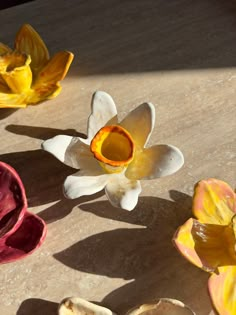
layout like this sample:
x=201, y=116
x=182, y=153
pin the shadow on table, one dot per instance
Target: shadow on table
x=37, y=307
x=153, y=35
x=143, y=253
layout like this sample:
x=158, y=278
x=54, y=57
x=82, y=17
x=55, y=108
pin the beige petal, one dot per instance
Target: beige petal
x=163, y=306
x=78, y=306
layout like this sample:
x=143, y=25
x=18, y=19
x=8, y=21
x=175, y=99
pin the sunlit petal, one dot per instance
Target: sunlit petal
x=4, y=49
x=17, y=73
x=73, y=152
x=103, y=113
x=222, y=290
x=123, y=192
x=208, y=246
x=79, y=184
x=43, y=93
x=154, y=162
x=12, y=100
x=214, y=202
x=55, y=70
x=29, y=42
x=139, y=123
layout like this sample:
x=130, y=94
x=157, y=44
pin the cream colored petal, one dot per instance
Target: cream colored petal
x=157, y=161
x=103, y=113
x=4, y=49
x=123, y=192
x=207, y=246
x=214, y=202
x=163, y=306
x=80, y=184
x=28, y=41
x=12, y=100
x=73, y=152
x=139, y=123
x=222, y=290
x=78, y=306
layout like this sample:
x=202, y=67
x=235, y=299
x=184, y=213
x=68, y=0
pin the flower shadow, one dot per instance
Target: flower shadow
x=144, y=253
x=5, y=112
x=37, y=307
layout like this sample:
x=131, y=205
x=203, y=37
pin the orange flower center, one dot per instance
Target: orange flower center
x=113, y=146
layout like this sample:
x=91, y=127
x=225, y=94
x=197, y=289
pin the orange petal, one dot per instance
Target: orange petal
x=222, y=290
x=214, y=202
x=28, y=41
x=56, y=69
x=4, y=49
x=207, y=246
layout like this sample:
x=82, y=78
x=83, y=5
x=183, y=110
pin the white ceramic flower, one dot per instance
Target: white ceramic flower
x=114, y=156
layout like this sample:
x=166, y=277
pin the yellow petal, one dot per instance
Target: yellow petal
x=16, y=72
x=222, y=290
x=4, y=49
x=3, y=86
x=28, y=41
x=214, y=202
x=55, y=70
x=208, y=246
x=43, y=93
x=12, y=100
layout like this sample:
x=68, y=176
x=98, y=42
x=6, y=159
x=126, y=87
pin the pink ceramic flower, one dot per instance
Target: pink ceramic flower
x=209, y=241
x=21, y=232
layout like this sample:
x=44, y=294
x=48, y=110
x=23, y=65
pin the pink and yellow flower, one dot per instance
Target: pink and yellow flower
x=209, y=241
x=27, y=74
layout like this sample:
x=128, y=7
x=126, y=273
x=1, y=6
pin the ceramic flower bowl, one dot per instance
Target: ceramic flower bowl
x=21, y=232
x=208, y=240
x=115, y=156
x=78, y=306
x=27, y=73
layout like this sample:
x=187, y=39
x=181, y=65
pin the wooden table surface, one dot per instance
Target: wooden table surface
x=179, y=55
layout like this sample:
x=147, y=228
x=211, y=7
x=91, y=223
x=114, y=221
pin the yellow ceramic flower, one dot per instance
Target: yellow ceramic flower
x=27, y=74
x=209, y=241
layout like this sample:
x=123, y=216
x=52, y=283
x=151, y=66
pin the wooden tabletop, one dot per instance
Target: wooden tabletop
x=179, y=55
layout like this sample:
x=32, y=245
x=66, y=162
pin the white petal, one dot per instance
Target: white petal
x=79, y=184
x=78, y=306
x=157, y=161
x=103, y=112
x=57, y=146
x=122, y=192
x=72, y=151
x=139, y=123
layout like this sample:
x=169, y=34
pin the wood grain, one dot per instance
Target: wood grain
x=179, y=55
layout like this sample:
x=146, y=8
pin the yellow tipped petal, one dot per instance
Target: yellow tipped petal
x=4, y=49
x=12, y=100
x=29, y=41
x=56, y=69
x=222, y=290
x=113, y=146
x=214, y=202
x=207, y=246
x=16, y=72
